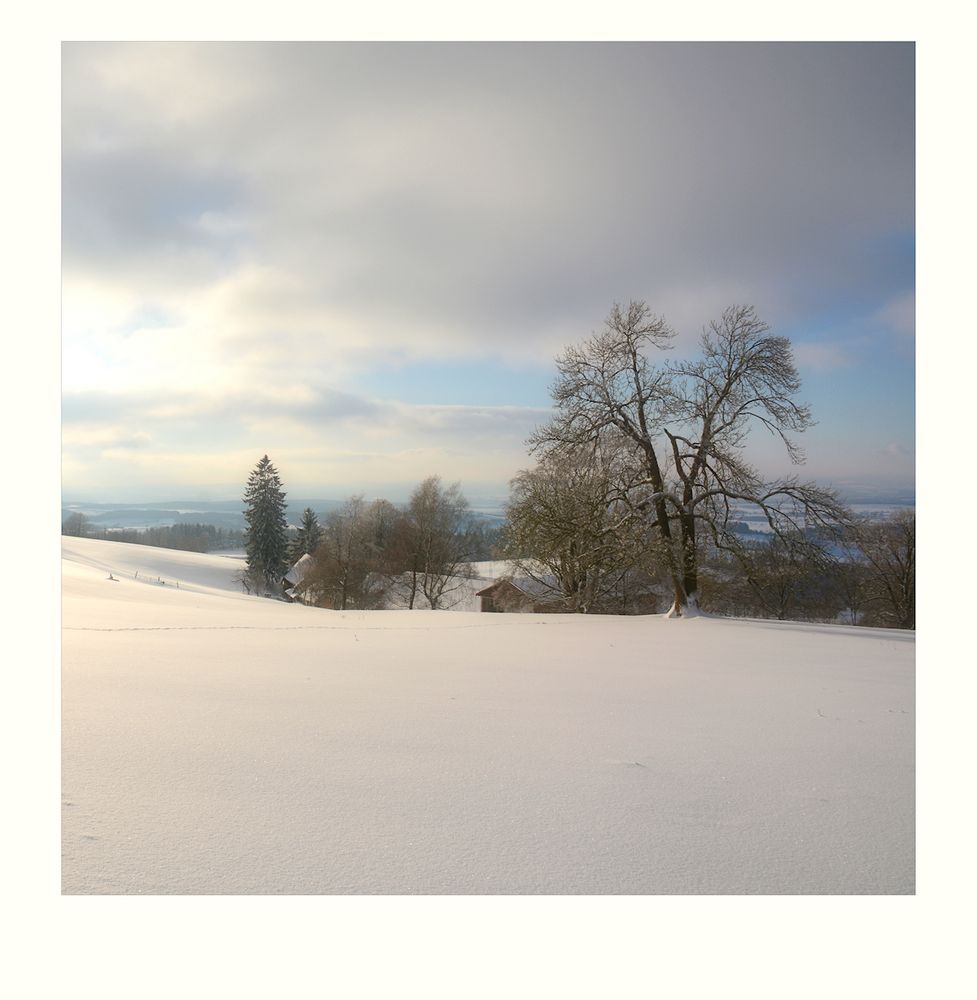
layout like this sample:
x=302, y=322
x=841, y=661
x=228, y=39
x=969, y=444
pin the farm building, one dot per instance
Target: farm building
x=293, y=578
x=531, y=596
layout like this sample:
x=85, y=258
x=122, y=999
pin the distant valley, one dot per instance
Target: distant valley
x=228, y=514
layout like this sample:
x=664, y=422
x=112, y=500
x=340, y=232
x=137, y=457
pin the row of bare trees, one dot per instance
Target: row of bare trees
x=374, y=554
x=881, y=570
x=868, y=579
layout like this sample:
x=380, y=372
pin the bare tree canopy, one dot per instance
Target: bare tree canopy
x=372, y=554
x=686, y=425
x=887, y=551
x=568, y=530
x=437, y=540
x=345, y=562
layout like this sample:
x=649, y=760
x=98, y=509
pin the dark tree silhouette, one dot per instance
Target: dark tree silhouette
x=308, y=537
x=266, y=536
x=686, y=425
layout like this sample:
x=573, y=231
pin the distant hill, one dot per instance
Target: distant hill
x=220, y=513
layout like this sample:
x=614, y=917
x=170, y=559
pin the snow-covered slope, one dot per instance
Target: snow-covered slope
x=148, y=565
x=220, y=743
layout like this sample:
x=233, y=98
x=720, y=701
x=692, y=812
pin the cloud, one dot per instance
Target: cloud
x=248, y=225
x=898, y=316
x=99, y=413
x=484, y=198
x=316, y=435
x=102, y=437
x=822, y=357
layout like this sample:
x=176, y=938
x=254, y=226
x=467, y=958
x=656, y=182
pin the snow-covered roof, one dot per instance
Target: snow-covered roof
x=544, y=587
x=299, y=571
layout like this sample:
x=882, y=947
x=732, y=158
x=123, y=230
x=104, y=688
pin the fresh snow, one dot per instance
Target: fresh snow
x=219, y=743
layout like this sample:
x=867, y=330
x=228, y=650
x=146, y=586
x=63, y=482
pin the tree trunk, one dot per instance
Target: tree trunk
x=690, y=564
x=685, y=578
x=685, y=603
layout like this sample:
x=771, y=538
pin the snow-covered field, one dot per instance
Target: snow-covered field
x=220, y=743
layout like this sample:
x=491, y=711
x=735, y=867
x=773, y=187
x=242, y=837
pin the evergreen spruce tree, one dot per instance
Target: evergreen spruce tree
x=266, y=537
x=308, y=538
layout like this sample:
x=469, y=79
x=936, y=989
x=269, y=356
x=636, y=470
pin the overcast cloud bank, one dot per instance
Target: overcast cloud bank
x=264, y=243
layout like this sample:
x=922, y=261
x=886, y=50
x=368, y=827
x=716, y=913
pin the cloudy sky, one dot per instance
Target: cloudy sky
x=363, y=258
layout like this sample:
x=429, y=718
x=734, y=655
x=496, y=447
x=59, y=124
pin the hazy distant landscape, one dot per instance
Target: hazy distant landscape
x=230, y=513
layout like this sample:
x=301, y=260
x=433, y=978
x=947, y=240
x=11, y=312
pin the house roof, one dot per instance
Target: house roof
x=492, y=587
x=546, y=587
x=299, y=571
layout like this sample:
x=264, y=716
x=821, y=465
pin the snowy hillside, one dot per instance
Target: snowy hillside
x=220, y=743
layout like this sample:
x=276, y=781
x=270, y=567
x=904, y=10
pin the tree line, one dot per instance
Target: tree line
x=368, y=554
x=565, y=531
x=187, y=537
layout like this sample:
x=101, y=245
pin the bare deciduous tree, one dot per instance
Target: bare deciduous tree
x=342, y=575
x=788, y=578
x=567, y=530
x=431, y=543
x=888, y=550
x=686, y=424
